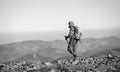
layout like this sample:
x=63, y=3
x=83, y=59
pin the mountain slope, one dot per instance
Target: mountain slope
x=57, y=48
x=113, y=47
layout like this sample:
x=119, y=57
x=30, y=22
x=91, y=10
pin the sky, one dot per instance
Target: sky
x=53, y=15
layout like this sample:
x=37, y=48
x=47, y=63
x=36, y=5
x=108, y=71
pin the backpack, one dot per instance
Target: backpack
x=77, y=33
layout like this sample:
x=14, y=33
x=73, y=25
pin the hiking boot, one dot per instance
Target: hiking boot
x=76, y=61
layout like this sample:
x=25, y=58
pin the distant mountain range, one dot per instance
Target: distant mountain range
x=108, y=45
x=57, y=48
x=9, y=37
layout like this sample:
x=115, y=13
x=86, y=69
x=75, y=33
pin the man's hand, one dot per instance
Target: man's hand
x=66, y=37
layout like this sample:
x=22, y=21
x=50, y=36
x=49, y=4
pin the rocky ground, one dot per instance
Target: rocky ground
x=104, y=63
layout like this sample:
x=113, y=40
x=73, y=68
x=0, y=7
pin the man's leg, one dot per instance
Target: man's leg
x=69, y=48
x=75, y=46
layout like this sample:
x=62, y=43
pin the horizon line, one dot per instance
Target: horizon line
x=116, y=28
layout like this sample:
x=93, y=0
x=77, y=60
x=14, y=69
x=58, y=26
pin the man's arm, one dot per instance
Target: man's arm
x=71, y=32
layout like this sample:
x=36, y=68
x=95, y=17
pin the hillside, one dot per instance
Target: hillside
x=111, y=46
x=15, y=50
x=57, y=48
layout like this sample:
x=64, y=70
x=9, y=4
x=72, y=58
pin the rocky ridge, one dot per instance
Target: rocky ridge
x=103, y=63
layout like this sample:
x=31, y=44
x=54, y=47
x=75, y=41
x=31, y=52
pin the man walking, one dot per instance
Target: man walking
x=74, y=38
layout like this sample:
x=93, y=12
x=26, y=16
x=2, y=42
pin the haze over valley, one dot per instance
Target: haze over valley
x=8, y=37
x=57, y=48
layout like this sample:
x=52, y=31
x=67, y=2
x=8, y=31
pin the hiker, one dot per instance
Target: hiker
x=70, y=36
x=74, y=38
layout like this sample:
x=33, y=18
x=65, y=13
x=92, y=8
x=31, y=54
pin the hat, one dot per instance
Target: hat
x=71, y=23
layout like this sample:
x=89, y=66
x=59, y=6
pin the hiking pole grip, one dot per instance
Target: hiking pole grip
x=66, y=39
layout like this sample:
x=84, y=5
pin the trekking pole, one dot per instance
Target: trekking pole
x=80, y=37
